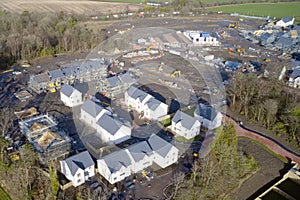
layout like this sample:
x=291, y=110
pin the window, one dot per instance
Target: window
x=79, y=180
x=86, y=173
x=122, y=174
x=78, y=175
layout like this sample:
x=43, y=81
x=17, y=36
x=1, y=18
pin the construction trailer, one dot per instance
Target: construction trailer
x=85, y=71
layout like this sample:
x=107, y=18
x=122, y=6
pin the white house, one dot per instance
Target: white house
x=70, y=96
x=145, y=103
x=208, y=116
x=136, y=98
x=185, y=125
x=201, y=38
x=165, y=154
x=112, y=130
x=78, y=168
x=285, y=22
x=91, y=112
x=115, y=167
x=294, y=79
x=141, y=156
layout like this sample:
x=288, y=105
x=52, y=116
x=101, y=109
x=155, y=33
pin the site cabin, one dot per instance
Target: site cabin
x=144, y=103
x=70, y=96
x=111, y=130
x=165, y=154
x=185, y=125
x=141, y=156
x=294, y=79
x=78, y=168
x=285, y=22
x=209, y=117
x=91, y=112
x=115, y=167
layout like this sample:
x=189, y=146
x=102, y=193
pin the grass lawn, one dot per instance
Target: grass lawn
x=4, y=195
x=278, y=10
x=183, y=139
x=166, y=122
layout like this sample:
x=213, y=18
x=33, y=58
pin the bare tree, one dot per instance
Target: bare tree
x=5, y=120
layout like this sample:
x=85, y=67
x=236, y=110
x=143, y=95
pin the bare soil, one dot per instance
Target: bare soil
x=72, y=6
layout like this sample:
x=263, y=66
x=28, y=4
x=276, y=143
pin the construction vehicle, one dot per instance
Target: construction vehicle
x=267, y=60
x=14, y=156
x=240, y=51
x=176, y=72
x=233, y=25
x=52, y=90
x=105, y=103
x=160, y=67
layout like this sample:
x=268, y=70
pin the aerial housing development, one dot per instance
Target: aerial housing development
x=149, y=100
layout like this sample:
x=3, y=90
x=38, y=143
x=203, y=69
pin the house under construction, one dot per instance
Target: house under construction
x=47, y=140
x=117, y=84
x=68, y=74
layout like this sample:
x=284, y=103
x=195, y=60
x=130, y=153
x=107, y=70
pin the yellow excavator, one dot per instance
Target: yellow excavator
x=233, y=25
x=176, y=72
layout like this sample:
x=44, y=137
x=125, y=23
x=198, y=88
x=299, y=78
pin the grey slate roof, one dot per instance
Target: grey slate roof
x=126, y=78
x=56, y=74
x=153, y=103
x=206, y=111
x=139, y=150
x=136, y=93
x=116, y=160
x=186, y=120
x=159, y=145
x=41, y=78
x=67, y=90
x=295, y=73
x=82, y=160
x=113, y=81
x=109, y=123
x=69, y=71
x=287, y=19
x=91, y=108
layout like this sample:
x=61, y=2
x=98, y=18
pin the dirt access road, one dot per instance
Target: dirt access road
x=82, y=7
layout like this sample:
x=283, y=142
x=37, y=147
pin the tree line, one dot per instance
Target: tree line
x=216, y=175
x=268, y=102
x=30, y=35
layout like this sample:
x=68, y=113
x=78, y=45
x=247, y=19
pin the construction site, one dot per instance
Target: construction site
x=45, y=137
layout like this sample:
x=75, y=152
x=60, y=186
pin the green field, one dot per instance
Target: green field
x=262, y=9
x=4, y=195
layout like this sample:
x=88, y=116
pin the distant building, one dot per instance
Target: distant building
x=285, y=22
x=201, y=38
x=185, y=125
x=146, y=104
x=70, y=96
x=78, y=168
x=208, y=116
x=78, y=71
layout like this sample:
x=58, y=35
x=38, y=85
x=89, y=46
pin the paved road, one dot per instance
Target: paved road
x=269, y=142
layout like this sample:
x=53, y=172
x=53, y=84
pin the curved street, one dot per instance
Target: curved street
x=269, y=142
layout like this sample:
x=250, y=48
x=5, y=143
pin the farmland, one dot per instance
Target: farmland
x=4, y=195
x=262, y=9
x=71, y=7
